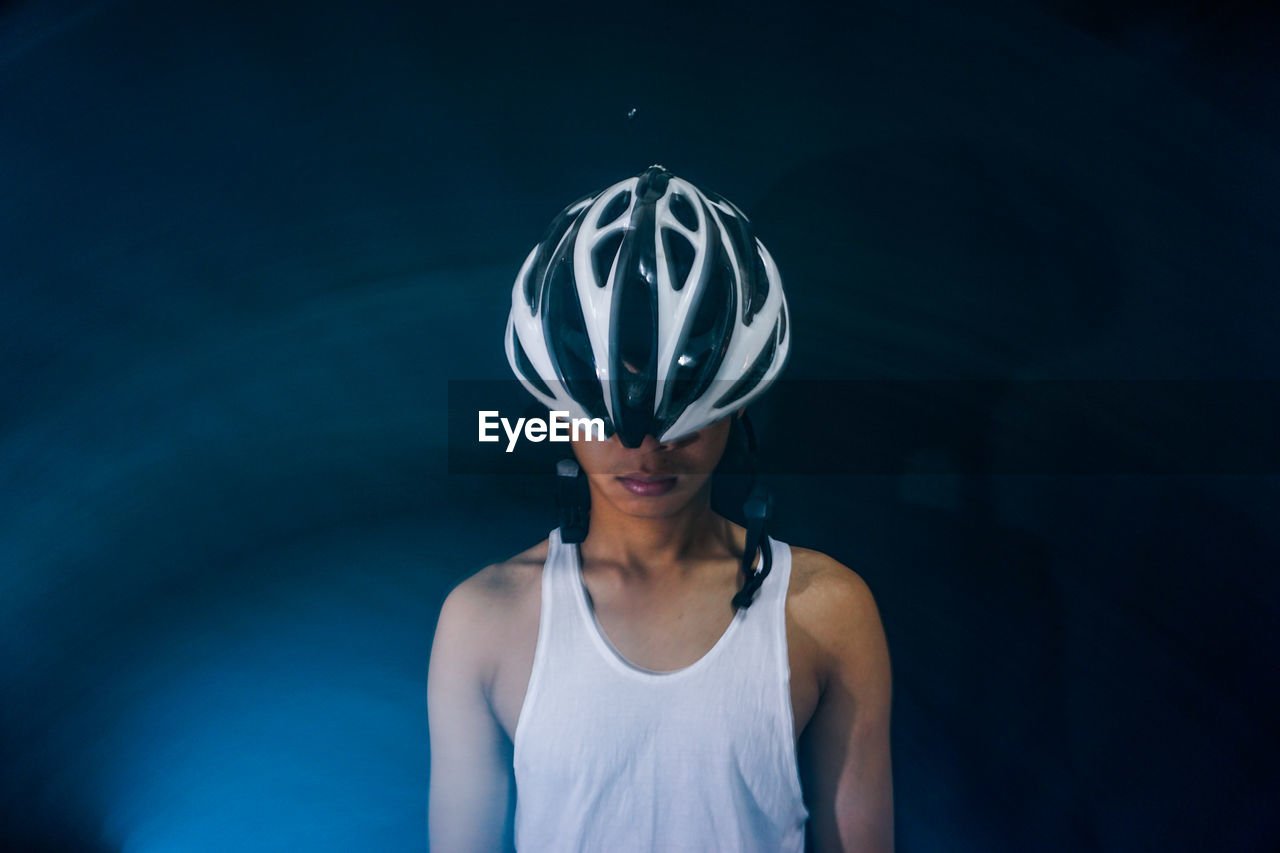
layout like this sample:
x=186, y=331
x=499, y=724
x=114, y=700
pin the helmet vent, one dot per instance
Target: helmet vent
x=526, y=368
x=683, y=211
x=680, y=255
x=635, y=333
x=758, y=289
x=602, y=256
x=752, y=377
x=614, y=209
x=569, y=345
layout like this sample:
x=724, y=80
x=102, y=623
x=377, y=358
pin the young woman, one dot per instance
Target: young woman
x=673, y=682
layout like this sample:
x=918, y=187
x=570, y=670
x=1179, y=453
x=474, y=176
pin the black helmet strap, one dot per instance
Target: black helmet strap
x=756, y=511
x=573, y=507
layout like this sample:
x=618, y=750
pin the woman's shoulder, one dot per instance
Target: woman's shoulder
x=827, y=593
x=505, y=582
x=484, y=615
x=836, y=614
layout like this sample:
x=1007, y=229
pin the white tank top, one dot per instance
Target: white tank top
x=612, y=757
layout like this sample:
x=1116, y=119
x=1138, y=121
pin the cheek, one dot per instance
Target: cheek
x=705, y=464
x=594, y=456
x=708, y=451
x=698, y=462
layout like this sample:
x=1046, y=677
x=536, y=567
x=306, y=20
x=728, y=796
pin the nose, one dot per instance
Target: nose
x=651, y=444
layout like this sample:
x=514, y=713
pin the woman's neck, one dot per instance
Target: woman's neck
x=656, y=545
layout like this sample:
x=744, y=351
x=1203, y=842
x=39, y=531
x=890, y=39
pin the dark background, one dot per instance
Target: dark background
x=244, y=247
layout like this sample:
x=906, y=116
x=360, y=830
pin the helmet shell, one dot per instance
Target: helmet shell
x=650, y=305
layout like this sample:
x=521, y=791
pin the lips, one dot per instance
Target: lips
x=646, y=485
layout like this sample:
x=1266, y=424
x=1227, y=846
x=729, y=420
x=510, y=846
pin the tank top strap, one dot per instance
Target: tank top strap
x=773, y=591
x=560, y=581
x=559, y=562
x=763, y=637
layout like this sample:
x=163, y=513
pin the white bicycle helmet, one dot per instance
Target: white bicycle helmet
x=649, y=305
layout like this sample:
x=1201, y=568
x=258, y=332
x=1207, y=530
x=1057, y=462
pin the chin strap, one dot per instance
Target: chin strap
x=572, y=508
x=757, y=510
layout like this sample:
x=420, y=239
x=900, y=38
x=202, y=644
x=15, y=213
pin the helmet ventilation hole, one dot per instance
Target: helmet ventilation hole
x=602, y=256
x=680, y=254
x=614, y=209
x=683, y=211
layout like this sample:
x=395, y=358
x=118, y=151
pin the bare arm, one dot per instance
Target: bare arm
x=470, y=760
x=845, y=747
